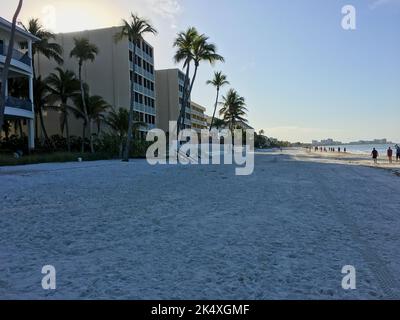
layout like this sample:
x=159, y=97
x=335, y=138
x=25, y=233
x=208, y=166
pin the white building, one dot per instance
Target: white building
x=198, y=117
x=170, y=84
x=110, y=75
x=19, y=99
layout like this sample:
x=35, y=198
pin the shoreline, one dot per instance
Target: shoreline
x=355, y=159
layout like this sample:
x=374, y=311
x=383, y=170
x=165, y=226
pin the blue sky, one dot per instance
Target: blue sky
x=303, y=76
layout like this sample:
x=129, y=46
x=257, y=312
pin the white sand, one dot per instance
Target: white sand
x=131, y=231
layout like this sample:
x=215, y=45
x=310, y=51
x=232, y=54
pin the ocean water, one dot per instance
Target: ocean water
x=365, y=148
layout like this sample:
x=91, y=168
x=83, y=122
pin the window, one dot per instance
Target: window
x=138, y=79
x=139, y=61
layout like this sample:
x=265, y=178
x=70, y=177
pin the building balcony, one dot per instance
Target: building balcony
x=19, y=107
x=140, y=107
x=18, y=57
x=148, y=127
x=200, y=123
x=197, y=113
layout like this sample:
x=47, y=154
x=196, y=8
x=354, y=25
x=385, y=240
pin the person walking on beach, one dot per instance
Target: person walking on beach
x=375, y=155
x=397, y=153
x=390, y=155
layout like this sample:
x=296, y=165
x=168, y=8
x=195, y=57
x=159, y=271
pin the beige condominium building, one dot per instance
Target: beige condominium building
x=109, y=75
x=199, y=118
x=169, y=95
x=19, y=112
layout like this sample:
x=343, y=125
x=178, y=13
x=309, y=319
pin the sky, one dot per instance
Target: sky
x=303, y=76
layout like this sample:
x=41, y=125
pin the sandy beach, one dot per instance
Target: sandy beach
x=133, y=231
x=349, y=159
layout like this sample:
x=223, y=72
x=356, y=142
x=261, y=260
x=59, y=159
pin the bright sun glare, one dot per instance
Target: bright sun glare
x=70, y=16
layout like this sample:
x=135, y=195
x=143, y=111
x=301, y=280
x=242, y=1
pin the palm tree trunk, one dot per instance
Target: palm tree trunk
x=83, y=137
x=67, y=131
x=184, y=100
x=21, y=134
x=44, y=131
x=33, y=66
x=189, y=94
x=121, y=147
x=85, y=107
x=36, y=128
x=91, y=136
x=215, y=109
x=131, y=109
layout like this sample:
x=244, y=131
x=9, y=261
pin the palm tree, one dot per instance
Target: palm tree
x=62, y=86
x=218, y=123
x=40, y=92
x=193, y=47
x=43, y=46
x=96, y=107
x=184, y=44
x=119, y=123
x=233, y=109
x=134, y=30
x=50, y=50
x=218, y=82
x=84, y=51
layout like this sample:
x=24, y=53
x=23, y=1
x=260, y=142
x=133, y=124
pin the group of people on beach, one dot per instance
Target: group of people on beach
x=324, y=149
x=389, y=153
x=375, y=154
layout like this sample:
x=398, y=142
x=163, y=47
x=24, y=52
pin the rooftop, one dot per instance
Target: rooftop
x=7, y=25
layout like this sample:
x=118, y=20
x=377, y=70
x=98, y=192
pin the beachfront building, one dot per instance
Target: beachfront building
x=110, y=75
x=198, y=117
x=19, y=109
x=169, y=95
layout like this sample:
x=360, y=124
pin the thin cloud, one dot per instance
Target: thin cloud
x=380, y=3
x=166, y=8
